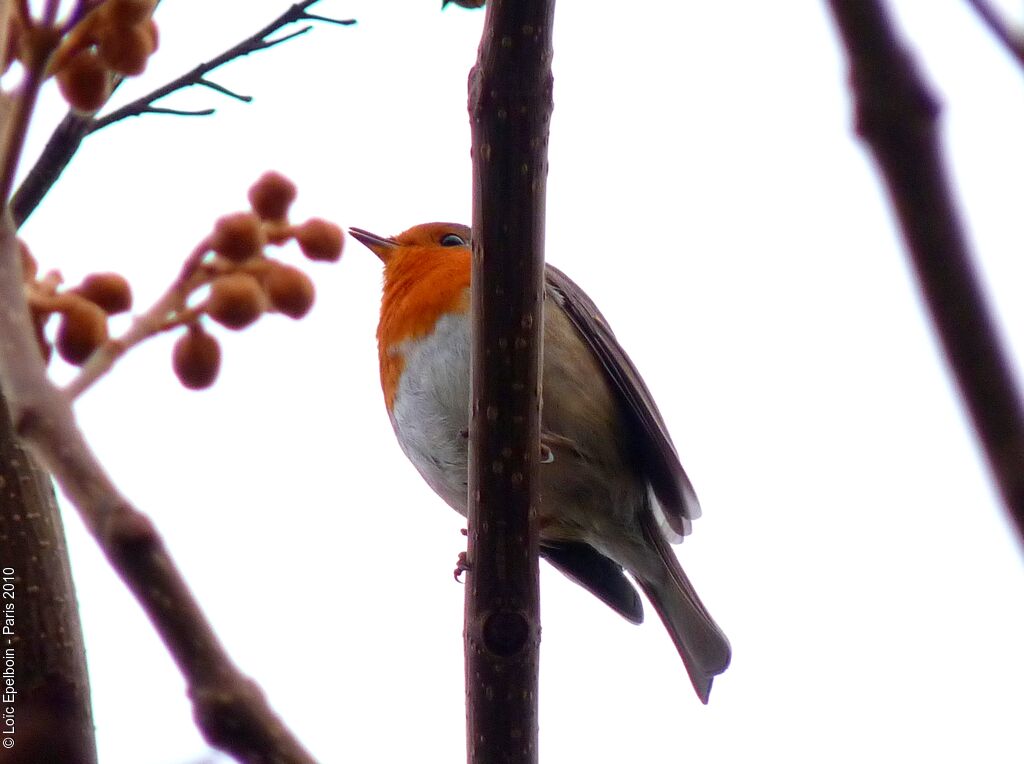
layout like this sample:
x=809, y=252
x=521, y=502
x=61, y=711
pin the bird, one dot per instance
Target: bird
x=613, y=494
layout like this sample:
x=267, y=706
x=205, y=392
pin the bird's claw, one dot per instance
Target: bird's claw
x=461, y=566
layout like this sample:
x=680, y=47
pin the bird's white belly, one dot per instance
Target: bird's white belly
x=430, y=413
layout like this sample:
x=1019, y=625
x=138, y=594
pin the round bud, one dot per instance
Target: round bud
x=196, y=358
x=236, y=300
x=29, y=266
x=320, y=240
x=290, y=290
x=128, y=13
x=83, y=328
x=84, y=81
x=272, y=195
x=238, y=237
x=154, y=32
x=149, y=27
x=125, y=50
x=108, y=290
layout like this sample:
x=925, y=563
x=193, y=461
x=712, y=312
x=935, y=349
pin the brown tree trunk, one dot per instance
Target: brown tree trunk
x=48, y=716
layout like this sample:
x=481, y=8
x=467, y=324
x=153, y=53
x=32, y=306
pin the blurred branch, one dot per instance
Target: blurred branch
x=229, y=708
x=510, y=105
x=73, y=129
x=896, y=115
x=1011, y=39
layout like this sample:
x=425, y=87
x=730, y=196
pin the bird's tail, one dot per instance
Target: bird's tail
x=701, y=644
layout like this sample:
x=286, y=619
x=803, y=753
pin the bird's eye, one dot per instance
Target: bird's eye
x=452, y=240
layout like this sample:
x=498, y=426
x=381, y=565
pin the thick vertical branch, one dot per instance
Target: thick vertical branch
x=897, y=115
x=42, y=638
x=510, y=111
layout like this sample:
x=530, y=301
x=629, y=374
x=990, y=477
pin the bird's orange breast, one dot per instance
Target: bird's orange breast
x=421, y=284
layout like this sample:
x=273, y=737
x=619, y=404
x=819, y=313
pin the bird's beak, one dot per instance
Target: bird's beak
x=380, y=246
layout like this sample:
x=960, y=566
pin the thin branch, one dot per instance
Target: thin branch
x=82, y=7
x=221, y=89
x=61, y=146
x=279, y=40
x=50, y=12
x=1011, y=39
x=69, y=134
x=197, y=76
x=182, y=112
x=22, y=104
x=24, y=12
x=510, y=105
x=897, y=115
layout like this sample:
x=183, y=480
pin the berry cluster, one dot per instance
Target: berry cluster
x=116, y=38
x=83, y=309
x=245, y=283
x=228, y=278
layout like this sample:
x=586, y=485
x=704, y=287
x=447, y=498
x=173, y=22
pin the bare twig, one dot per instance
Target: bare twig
x=1011, y=38
x=15, y=126
x=50, y=12
x=510, y=105
x=82, y=7
x=896, y=115
x=197, y=76
x=73, y=129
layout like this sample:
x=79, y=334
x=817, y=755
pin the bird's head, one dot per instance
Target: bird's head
x=427, y=236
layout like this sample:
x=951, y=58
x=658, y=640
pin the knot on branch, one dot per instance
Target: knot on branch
x=224, y=712
x=890, y=94
x=505, y=633
x=128, y=531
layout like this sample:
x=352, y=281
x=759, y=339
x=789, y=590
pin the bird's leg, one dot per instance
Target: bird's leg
x=549, y=441
x=461, y=564
x=547, y=456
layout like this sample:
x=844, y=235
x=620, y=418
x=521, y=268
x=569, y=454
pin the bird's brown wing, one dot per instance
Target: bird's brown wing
x=601, y=576
x=654, y=447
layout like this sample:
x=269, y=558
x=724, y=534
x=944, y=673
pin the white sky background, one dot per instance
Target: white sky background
x=706, y=190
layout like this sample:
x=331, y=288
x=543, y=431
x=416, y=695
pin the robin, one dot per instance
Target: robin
x=613, y=493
